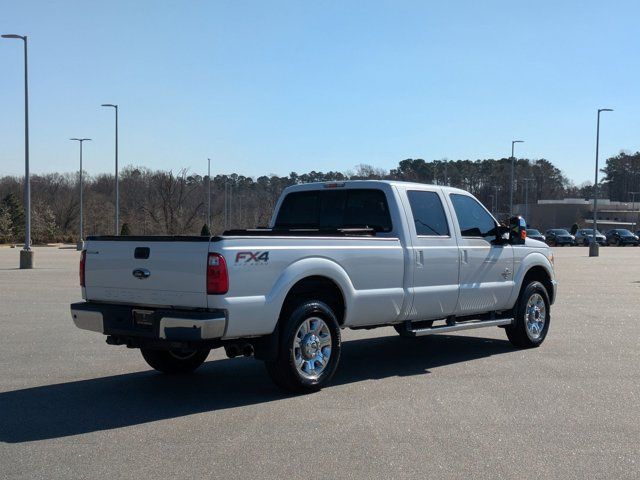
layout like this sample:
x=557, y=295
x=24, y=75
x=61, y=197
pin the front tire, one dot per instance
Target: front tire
x=532, y=317
x=309, y=349
x=174, y=361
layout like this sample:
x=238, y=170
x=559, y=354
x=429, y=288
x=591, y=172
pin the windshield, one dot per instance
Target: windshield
x=559, y=231
x=589, y=232
x=532, y=231
x=622, y=231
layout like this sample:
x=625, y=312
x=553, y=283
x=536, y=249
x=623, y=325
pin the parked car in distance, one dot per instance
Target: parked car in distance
x=535, y=234
x=559, y=237
x=584, y=236
x=622, y=237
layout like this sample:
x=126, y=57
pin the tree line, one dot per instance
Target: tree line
x=175, y=203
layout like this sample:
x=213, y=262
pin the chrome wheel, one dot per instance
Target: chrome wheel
x=535, y=316
x=182, y=354
x=312, y=348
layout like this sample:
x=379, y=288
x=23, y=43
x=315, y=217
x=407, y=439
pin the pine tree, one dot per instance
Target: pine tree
x=205, y=232
x=6, y=230
x=14, y=207
x=125, y=231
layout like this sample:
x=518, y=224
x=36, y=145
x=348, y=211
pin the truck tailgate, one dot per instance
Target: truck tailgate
x=147, y=272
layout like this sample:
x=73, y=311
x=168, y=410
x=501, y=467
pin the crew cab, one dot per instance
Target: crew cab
x=423, y=259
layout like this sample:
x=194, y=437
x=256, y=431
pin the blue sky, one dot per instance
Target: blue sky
x=280, y=86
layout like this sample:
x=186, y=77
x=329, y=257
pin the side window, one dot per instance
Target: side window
x=473, y=219
x=428, y=213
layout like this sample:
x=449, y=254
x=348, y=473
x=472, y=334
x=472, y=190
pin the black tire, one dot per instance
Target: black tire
x=283, y=370
x=169, y=361
x=518, y=333
x=401, y=328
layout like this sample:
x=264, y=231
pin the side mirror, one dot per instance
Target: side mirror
x=517, y=230
x=502, y=235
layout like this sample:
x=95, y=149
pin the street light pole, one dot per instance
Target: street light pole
x=225, y=204
x=26, y=254
x=117, y=219
x=633, y=204
x=209, y=194
x=594, y=249
x=512, y=168
x=526, y=197
x=81, y=239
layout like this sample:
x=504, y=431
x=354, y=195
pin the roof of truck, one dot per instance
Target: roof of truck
x=370, y=184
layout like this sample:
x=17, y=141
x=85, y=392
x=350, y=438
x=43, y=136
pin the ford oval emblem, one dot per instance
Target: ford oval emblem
x=141, y=273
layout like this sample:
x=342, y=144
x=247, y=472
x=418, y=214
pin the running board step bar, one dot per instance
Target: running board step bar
x=421, y=332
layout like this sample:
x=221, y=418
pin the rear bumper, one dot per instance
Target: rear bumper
x=170, y=325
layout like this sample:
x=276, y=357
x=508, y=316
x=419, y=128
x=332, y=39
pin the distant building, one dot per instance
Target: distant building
x=563, y=213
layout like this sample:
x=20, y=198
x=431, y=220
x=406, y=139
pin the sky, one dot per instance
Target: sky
x=280, y=86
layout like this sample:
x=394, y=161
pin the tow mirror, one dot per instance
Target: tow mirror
x=502, y=234
x=517, y=230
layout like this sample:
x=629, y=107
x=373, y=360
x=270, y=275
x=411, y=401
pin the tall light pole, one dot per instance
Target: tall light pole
x=513, y=160
x=209, y=195
x=26, y=254
x=81, y=239
x=526, y=197
x=594, y=249
x=117, y=220
x=225, y=204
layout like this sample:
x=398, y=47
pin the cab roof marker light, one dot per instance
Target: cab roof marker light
x=334, y=185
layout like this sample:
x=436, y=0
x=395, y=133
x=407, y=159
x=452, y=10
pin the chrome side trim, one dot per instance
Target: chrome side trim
x=421, y=332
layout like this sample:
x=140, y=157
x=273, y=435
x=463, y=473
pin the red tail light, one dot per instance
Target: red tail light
x=217, y=275
x=83, y=261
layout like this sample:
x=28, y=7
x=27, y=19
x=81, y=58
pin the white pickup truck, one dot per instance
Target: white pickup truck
x=358, y=254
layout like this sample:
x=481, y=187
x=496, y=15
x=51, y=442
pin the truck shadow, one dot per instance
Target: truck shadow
x=73, y=408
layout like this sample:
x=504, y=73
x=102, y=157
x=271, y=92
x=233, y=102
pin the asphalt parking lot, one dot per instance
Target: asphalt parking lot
x=457, y=406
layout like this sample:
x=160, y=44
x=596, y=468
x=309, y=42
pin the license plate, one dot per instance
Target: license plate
x=143, y=317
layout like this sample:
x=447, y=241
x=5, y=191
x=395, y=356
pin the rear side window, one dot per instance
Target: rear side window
x=333, y=209
x=473, y=219
x=428, y=213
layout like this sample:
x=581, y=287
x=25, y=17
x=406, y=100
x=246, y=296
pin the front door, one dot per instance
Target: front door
x=486, y=269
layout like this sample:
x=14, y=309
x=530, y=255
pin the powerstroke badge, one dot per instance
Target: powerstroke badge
x=252, y=258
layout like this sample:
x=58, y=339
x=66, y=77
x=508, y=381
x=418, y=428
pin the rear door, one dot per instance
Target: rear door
x=169, y=272
x=435, y=256
x=486, y=269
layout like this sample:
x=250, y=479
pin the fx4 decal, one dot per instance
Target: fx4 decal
x=252, y=258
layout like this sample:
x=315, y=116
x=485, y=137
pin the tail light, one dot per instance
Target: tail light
x=217, y=275
x=83, y=261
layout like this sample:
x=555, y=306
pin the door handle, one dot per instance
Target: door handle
x=419, y=258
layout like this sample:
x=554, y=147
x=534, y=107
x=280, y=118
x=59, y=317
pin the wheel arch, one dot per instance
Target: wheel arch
x=534, y=267
x=315, y=287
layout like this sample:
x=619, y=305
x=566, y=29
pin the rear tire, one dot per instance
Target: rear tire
x=173, y=362
x=309, y=349
x=532, y=317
